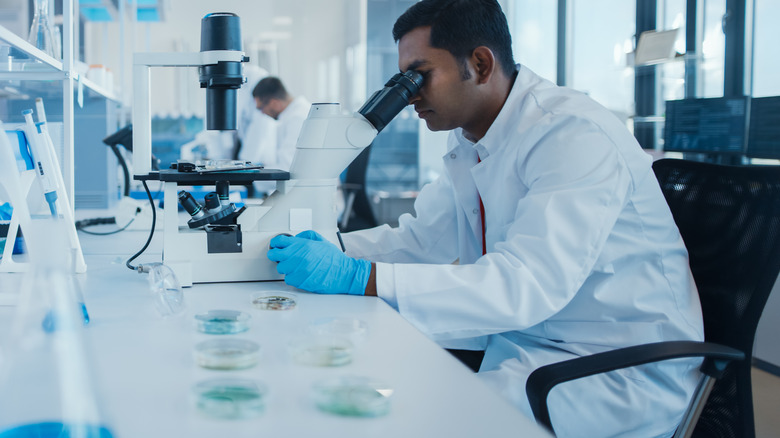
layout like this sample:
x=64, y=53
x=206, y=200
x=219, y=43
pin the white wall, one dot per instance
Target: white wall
x=315, y=48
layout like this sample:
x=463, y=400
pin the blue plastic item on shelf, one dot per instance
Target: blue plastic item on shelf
x=21, y=150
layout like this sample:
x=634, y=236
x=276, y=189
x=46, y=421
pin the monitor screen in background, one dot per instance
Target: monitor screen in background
x=715, y=125
x=764, y=131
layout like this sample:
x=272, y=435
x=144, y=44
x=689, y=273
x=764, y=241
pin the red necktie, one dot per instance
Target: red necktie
x=482, y=215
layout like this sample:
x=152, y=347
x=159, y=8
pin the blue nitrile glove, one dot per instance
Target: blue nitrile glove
x=311, y=263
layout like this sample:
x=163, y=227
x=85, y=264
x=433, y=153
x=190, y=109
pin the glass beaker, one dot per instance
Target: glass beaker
x=47, y=386
x=41, y=31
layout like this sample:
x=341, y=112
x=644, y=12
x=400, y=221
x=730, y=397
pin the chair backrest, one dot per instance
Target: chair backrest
x=729, y=219
x=362, y=215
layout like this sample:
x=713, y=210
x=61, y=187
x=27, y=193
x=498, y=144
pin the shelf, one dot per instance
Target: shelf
x=29, y=84
x=86, y=110
x=23, y=56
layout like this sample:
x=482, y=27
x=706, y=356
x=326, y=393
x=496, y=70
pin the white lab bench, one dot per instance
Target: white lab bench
x=145, y=368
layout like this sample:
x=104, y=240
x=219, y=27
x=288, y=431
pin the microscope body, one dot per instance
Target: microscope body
x=234, y=247
x=328, y=142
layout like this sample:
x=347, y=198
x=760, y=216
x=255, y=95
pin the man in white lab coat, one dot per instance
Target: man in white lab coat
x=256, y=131
x=273, y=100
x=546, y=238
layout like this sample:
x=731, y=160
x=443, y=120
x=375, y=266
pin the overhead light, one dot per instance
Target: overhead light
x=107, y=10
x=96, y=14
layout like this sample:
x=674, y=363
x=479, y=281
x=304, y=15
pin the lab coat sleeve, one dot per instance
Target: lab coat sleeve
x=577, y=187
x=428, y=236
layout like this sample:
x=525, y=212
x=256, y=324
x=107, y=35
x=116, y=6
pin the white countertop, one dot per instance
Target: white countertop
x=145, y=368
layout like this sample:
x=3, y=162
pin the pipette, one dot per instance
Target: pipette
x=42, y=161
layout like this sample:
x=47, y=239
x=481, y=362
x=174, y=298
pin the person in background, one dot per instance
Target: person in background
x=256, y=131
x=253, y=140
x=273, y=100
x=546, y=238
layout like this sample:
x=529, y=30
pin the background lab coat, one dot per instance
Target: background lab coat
x=583, y=256
x=256, y=130
x=288, y=127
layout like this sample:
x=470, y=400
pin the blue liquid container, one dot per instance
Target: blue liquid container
x=55, y=429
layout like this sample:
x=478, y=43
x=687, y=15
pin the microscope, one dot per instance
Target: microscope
x=220, y=242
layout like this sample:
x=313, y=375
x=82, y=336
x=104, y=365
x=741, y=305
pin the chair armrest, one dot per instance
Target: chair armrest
x=543, y=379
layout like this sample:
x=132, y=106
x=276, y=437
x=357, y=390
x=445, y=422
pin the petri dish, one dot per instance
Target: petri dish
x=230, y=398
x=274, y=300
x=350, y=328
x=222, y=322
x=227, y=354
x=322, y=351
x=352, y=396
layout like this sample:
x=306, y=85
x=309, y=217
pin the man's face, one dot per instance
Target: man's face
x=268, y=107
x=443, y=99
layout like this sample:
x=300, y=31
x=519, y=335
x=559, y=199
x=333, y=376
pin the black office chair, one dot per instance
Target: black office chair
x=358, y=214
x=729, y=218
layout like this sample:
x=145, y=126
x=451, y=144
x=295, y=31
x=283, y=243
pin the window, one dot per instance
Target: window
x=713, y=49
x=598, y=52
x=766, y=51
x=533, y=25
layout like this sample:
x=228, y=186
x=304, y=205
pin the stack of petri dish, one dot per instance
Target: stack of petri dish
x=227, y=354
x=222, y=322
x=321, y=350
x=349, y=328
x=353, y=396
x=230, y=398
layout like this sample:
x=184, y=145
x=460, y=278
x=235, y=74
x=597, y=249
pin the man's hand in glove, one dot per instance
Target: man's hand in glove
x=312, y=263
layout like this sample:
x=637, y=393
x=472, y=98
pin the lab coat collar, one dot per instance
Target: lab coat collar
x=495, y=137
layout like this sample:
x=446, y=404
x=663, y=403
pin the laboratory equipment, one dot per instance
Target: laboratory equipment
x=166, y=291
x=47, y=172
x=230, y=398
x=350, y=328
x=46, y=376
x=15, y=184
x=43, y=167
x=227, y=354
x=274, y=300
x=42, y=33
x=222, y=322
x=354, y=396
x=321, y=350
x=304, y=198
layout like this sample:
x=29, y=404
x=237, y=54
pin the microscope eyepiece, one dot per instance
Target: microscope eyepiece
x=386, y=103
x=221, y=31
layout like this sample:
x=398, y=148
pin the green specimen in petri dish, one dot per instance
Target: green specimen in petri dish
x=352, y=396
x=230, y=398
x=222, y=322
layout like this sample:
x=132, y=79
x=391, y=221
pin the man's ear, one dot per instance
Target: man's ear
x=484, y=63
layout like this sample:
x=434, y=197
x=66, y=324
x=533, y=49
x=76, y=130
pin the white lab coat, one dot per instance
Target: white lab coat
x=288, y=127
x=582, y=257
x=256, y=130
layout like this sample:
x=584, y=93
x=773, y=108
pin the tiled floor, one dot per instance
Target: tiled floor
x=766, y=404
